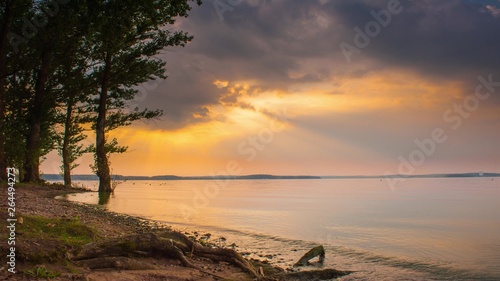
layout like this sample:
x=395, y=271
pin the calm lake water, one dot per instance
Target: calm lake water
x=424, y=229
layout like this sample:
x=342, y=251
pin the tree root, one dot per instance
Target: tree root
x=317, y=251
x=134, y=245
x=124, y=263
x=117, y=253
x=171, y=245
x=324, y=274
x=216, y=254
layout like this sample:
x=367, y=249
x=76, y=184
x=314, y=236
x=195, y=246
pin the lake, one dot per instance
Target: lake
x=423, y=229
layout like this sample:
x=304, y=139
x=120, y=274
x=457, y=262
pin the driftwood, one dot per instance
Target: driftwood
x=314, y=252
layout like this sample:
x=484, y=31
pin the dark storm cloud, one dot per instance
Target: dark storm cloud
x=439, y=38
x=264, y=41
x=183, y=95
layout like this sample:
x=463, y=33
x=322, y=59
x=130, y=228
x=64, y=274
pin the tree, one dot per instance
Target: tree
x=58, y=61
x=17, y=110
x=127, y=36
x=85, y=52
x=75, y=93
x=44, y=49
x=7, y=18
x=16, y=69
x=69, y=138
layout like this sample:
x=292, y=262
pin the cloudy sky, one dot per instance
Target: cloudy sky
x=323, y=87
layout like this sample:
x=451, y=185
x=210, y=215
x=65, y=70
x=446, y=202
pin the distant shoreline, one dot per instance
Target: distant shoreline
x=57, y=177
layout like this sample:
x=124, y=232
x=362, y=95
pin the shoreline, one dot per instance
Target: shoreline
x=41, y=255
x=39, y=202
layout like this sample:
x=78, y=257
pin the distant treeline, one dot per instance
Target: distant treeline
x=460, y=175
x=55, y=177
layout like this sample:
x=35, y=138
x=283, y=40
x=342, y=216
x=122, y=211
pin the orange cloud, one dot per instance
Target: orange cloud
x=206, y=147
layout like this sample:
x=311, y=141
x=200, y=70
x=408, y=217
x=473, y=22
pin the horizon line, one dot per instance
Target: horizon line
x=272, y=176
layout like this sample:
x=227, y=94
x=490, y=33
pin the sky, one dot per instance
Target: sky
x=322, y=87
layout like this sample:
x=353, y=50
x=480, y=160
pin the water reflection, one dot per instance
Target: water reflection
x=455, y=222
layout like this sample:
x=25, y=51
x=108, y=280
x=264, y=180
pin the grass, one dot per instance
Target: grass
x=49, y=240
x=41, y=272
x=70, y=232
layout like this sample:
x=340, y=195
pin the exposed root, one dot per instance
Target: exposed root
x=124, y=263
x=325, y=274
x=317, y=251
x=117, y=253
x=171, y=245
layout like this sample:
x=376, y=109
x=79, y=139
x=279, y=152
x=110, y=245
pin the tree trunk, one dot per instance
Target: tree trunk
x=6, y=26
x=32, y=162
x=101, y=155
x=66, y=142
x=103, y=198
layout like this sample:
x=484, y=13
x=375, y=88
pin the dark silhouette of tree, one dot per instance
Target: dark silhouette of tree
x=7, y=16
x=127, y=36
x=78, y=64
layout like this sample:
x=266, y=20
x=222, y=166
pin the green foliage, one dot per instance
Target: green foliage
x=111, y=147
x=50, y=238
x=55, y=77
x=126, y=37
x=41, y=272
x=73, y=133
x=75, y=148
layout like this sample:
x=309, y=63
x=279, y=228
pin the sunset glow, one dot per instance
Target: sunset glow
x=322, y=115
